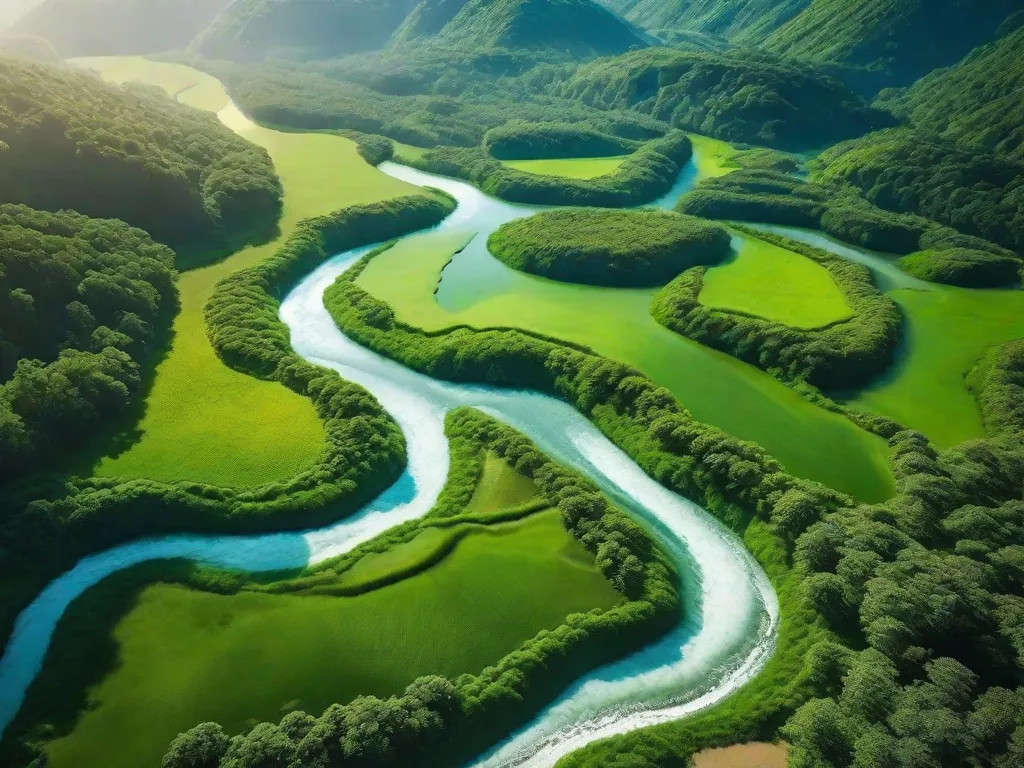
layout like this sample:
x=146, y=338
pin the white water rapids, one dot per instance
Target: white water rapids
x=730, y=610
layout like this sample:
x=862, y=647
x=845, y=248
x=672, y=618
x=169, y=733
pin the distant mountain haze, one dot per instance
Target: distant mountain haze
x=116, y=27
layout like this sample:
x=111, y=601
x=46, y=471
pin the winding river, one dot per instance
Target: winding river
x=731, y=613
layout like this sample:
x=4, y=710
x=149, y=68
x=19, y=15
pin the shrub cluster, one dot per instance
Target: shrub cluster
x=643, y=176
x=936, y=251
x=441, y=722
x=83, y=306
x=69, y=140
x=842, y=355
x=616, y=248
x=520, y=140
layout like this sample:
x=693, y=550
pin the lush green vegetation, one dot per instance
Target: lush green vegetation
x=108, y=27
x=616, y=248
x=841, y=354
x=141, y=635
x=642, y=177
x=465, y=716
x=566, y=167
x=84, y=306
x=776, y=283
x=521, y=140
x=71, y=141
x=739, y=21
x=901, y=170
x=772, y=197
x=478, y=291
x=752, y=99
x=900, y=40
x=976, y=103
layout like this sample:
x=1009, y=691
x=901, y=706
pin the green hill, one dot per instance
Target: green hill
x=741, y=21
x=905, y=39
x=977, y=103
x=108, y=27
x=301, y=29
x=580, y=27
x=752, y=100
x=68, y=140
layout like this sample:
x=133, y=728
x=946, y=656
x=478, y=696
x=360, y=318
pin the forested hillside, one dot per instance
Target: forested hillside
x=904, y=39
x=740, y=21
x=737, y=99
x=977, y=103
x=579, y=27
x=72, y=141
x=83, y=303
x=301, y=29
x=906, y=171
x=106, y=27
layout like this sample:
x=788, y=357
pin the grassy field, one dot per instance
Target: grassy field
x=716, y=388
x=947, y=331
x=771, y=282
x=408, y=151
x=500, y=487
x=569, y=167
x=204, y=422
x=185, y=656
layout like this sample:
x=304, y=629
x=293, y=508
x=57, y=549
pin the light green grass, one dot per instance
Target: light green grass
x=500, y=487
x=777, y=284
x=946, y=332
x=408, y=151
x=569, y=167
x=204, y=422
x=185, y=656
x=481, y=291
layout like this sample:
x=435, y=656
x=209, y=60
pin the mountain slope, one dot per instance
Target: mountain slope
x=301, y=29
x=108, y=27
x=70, y=141
x=905, y=38
x=978, y=103
x=742, y=21
x=580, y=27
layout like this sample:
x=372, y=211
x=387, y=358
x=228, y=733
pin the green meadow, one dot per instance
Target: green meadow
x=569, y=167
x=777, y=284
x=947, y=330
x=178, y=656
x=478, y=290
x=204, y=422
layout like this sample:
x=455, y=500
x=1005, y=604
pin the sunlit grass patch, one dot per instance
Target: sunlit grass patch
x=570, y=167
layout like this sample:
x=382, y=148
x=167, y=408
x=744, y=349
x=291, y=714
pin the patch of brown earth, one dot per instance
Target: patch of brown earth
x=752, y=755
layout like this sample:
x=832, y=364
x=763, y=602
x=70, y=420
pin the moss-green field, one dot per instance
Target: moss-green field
x=481, y=291
x=777, y=284
x=946, y=332
x=569, y=167
x=204, y=422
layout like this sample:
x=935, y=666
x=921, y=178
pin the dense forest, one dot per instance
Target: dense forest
x=976, y=103
x=621, y=248
x=84, y=304
x=108, y=27
x=71, y=141
x=755, y=99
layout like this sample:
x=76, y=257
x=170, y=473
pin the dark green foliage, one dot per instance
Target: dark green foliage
x=616, y=248
x=752, y=99
x=300, y=29
x=900, y=39
x=441, y=722
x=843, y=355
x=938, y=251
x=118, y=27
x=577, y=27
x=998, y=383
x=962, y=266
x=533, y=141
x=739, y=21
x=68, y=140
x=905, y=172
x=82, y=305
x=976, y=103
x=642, y=177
